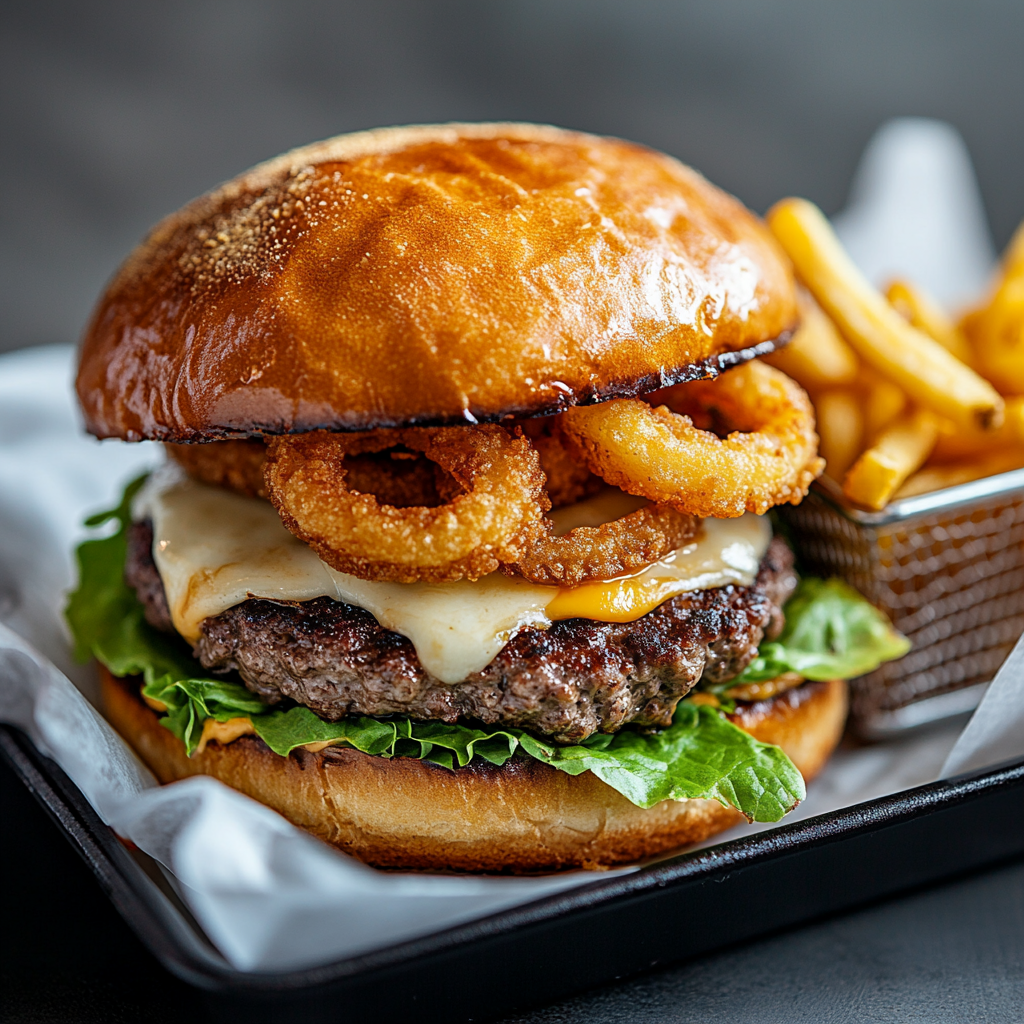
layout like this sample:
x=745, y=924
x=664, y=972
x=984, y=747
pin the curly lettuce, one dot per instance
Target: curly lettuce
x=831, y=632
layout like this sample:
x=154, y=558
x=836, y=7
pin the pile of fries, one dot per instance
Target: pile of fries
x=908, y=401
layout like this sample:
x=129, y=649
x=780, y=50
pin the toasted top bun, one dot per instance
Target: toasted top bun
x=425, y=275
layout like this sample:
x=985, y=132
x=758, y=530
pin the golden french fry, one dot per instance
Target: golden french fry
x=915, y=305
x=817, y=357
x=930, y=375
x=996, y=332
x=840, y=430
x=954, y=444
x=1013, y=257
x=900, y=451
x=939, y=477
x=883, y=402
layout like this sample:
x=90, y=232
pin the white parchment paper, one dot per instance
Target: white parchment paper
x=995, y=733
x=268, y=895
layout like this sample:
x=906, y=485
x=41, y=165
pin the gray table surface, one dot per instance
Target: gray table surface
x=953, y=953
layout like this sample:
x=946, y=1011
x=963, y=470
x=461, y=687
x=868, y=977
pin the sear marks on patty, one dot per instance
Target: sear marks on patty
x=567, y=682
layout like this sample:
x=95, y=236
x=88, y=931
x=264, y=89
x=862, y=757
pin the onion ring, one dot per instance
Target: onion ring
x=400, y=479
x=236, y=465
x=394, y=478
x=568, y=479
x=658, y=453
x=493, y=522
x=588, y=553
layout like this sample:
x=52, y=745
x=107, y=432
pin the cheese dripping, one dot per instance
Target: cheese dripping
x=215, y=549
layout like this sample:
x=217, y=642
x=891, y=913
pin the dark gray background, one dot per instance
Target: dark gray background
x=113, y=114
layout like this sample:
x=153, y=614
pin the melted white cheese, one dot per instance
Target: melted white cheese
x=214, y=549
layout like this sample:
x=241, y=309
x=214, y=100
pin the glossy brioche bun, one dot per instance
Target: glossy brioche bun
x=523, y=817
x=424, y=275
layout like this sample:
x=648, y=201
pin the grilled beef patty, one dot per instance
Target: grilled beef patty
x=567, y=682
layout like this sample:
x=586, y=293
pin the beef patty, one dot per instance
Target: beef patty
x=567, y=682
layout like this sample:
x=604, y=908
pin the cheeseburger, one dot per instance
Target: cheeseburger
x=459, y=558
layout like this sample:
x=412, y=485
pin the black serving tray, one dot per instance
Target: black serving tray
x=603, y=931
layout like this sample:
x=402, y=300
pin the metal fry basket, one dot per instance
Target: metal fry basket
x=947, y=568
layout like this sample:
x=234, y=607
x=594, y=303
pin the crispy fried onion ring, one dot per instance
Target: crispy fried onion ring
x=658, y=453
x=236, y=465
x=493, y=521
x=587, y=553
x=568, y=478
x=399, y=478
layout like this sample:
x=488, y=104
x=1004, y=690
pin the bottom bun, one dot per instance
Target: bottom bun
x=522, y=817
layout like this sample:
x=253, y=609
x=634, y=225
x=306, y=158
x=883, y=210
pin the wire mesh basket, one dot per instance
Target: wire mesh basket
x=947, y=568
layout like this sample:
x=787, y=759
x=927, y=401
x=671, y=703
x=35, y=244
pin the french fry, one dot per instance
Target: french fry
x=930, y=375
x=955, y=444
x=900, y=451
x=883, y=402
x=817, y=357
x=1013, y=257
x=916, y=306
x=996, y=332
x=840, y=429
x=937, y=478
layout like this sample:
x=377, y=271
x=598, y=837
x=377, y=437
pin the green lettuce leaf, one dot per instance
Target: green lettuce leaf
x=701, y=755
x=108, y=623
x=831, y=632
